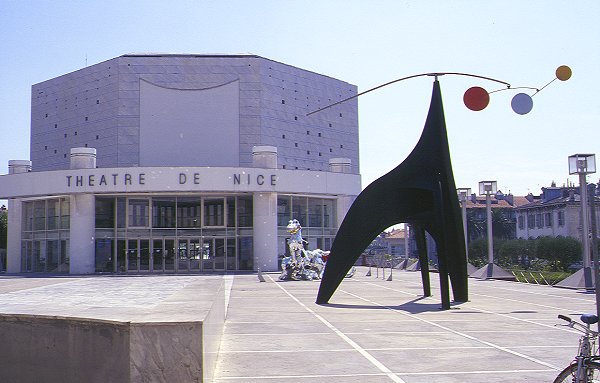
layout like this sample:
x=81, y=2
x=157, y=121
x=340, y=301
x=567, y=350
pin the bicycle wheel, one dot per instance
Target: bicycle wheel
x=568, y=375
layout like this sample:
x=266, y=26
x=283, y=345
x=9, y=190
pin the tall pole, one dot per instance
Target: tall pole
x=464, y=218
x=488, y=210
x=585, y=239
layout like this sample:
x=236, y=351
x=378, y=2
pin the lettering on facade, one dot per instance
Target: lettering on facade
x=248, y=179
x=129, y=179
x=104, y=180
x=195, y=178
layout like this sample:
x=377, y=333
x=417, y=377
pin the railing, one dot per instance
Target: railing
x=538, y=277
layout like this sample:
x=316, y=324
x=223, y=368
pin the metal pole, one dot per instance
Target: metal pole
x=464, y=218
x=595, y=247
x=488, y=210
x=585, y=239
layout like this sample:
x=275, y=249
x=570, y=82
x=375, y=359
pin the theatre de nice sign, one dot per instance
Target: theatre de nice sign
x=176, y=179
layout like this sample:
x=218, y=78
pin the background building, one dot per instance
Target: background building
x=154, y=163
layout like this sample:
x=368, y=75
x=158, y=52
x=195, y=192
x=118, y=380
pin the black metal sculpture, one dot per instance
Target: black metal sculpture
x=420, y=191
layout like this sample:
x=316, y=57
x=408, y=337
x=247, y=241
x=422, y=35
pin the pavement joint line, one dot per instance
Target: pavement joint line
x=368, y=349
x=510, y=300
x=547, y=295
x=228, y=278
x=357, y=347
x=264, y=377
x=553, y=327
x=498, y=347
x=519, y=301
x=479, y=372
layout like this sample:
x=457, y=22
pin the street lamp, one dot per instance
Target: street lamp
x=582, y=164
x=463, y=196
x=490, y=271
x=488, y=188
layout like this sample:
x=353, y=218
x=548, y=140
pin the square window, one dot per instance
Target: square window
x=340, y=115
x=65, y=135
x=308, y=152
x=308, y=132
x=283, y=136
x=319, y=134
x=97, y=101
x=46, y=147
x=86, y=118
x=330, y=125
x=55, y=126
x=296, y=118
x=330, y=150
x=341, y=146
x=97, y=137
x=295, y=144
x=283, y=101
x=75, y=134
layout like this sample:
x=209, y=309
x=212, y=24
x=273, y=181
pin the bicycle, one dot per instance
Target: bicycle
x=585, y=368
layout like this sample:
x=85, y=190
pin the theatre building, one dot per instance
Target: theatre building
x=180, y=163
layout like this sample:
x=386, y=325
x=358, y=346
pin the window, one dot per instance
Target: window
x=244, y=211
x=308, y=132
x=561, y=218
x=521, y=221
x=163, y=212
x=531, y=221
x=138, y=210
x=283, y=136
x=189, y=212
x=105, y=213
x=548, y=219
x=539, y=221
x=214, y=212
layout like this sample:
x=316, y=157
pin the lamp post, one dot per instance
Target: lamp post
x=491, y=270
x=582, y=164
x=488, y=188
x=463, y=196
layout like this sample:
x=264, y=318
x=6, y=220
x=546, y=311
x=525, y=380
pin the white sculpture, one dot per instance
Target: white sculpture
x=302, y=263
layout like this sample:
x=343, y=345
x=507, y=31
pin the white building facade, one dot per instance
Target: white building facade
x=180, y=163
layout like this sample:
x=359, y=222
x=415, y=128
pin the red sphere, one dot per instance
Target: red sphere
x=476, y=98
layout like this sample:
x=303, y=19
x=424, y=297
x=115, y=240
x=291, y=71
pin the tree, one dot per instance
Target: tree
x=560, y=252
x=516, y=251
x=3, y=228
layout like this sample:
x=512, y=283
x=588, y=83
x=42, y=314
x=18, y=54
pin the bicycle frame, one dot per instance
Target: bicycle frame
x=587, y=351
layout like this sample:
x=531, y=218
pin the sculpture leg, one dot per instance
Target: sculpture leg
x=423, y=259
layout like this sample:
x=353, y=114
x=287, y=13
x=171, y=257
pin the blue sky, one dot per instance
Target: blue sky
x=366, y=43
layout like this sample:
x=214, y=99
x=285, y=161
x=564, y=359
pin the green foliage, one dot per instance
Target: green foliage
x=516, y=252
x=3, y=229
x=542, y=254
x=559, y=252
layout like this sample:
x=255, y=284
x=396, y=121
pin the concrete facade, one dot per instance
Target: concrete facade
x=112, y=106
x=171, y=163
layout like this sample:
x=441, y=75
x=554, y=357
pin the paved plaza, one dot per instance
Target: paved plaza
x=376, y=330
x=373, y=330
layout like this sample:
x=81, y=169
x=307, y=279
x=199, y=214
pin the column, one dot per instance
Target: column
x=341, y=165
x=265, y=214
x=15, y=217
x=82, y=241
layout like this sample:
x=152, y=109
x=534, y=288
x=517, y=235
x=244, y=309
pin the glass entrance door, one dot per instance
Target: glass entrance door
x=183, y=255
x=158, y=259
x=220, y=254
x=214, y=254
x=195, y=254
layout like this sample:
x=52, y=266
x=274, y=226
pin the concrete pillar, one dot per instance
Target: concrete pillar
x=82, y=241
x=340, y=165
x=265, y=214
x=264, y=157
x=15, y=217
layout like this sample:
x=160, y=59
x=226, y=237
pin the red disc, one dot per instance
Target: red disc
x=476, y=98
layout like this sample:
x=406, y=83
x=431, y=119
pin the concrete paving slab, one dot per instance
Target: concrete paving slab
x=375, y=330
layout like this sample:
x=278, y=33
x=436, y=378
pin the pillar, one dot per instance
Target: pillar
x=341, y=165
x=15, y=217
x=265, y=214
x=82, y=241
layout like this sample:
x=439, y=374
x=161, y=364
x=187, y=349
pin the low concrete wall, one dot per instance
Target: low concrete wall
x=54, y=349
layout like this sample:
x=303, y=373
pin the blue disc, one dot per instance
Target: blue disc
x=522, y=103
